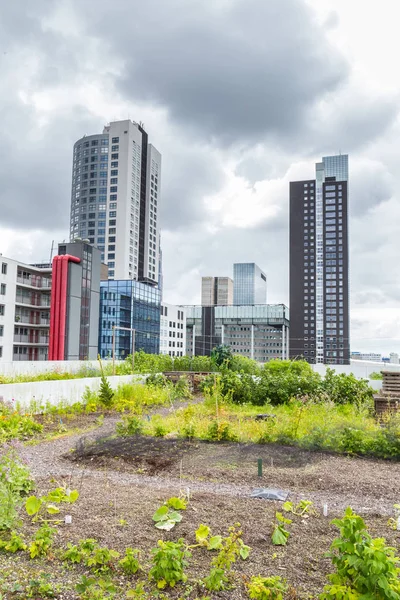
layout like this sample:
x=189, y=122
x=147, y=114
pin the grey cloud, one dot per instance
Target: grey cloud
x=36, y=169
x=235, y=70
x=188, y=175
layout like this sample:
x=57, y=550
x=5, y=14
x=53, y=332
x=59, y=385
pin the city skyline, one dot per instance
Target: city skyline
x=225, y=170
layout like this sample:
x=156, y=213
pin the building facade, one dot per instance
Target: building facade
x=370, y=356
x=259, y=332
x=24, y=311
x=75, y=299
x=116, y=181
x=319, y=282
x=249, y=284
x=216, y=291
x=172, y=330
x=130, y=313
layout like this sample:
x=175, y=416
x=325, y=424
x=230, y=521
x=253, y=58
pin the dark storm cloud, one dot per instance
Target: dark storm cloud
x=229, y=70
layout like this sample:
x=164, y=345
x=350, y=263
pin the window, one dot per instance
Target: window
x=4, y=268
x=115, y=140
x=2, y=306
x=3, y=289
x=1, y=330
x=1, y=351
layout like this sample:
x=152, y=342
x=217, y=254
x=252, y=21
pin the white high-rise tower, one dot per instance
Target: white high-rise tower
x=116, y=182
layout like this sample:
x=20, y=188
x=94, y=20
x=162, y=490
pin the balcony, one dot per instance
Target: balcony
x=33, y=340
x=31, y=300
x=34, y=282
x=31, y=320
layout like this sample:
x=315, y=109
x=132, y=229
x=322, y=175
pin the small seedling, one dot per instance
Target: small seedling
x=280, y=535
x=303, y=509
x=266, y=588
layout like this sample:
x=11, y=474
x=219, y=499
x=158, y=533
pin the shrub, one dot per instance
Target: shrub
x=365, y=566
x=130, y=425
x=221, y=431
x=345, y=389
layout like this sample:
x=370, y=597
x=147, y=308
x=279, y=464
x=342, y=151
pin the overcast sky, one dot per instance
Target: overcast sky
x=240, y=97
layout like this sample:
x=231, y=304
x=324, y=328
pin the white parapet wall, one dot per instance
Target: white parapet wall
x=360, y=368
x=65, y=391
x=24, y=367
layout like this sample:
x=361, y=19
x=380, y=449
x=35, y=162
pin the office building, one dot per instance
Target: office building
x=116, y=180
x=319, y=283
x=129, y=312
x=172, y=330
x=75, y=299
x=24, y=311
x=249, y=284
x=216, y=291
x=259, y=332
x=369, y=356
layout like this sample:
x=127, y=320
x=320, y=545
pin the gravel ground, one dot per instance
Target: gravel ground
x=220, y=478
x=369, y=486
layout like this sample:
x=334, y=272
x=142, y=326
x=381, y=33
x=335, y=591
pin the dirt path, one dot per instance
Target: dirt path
x=369, y=486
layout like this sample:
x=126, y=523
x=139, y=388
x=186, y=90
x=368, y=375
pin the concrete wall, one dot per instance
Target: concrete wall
x=12, y=369
x=66, y=391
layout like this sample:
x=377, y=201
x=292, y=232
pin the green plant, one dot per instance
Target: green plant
x=42, y=541
x=15, y=473
x=95, y=589
x=41, y=587
x=166, y=519
x=222, y=355
x=130, y=563
x=102, y=559
x=177, y=503
x=266, y=588
x=13, y=544
x=106, y=393
x=204, y=538
x=303, y=509
x=280, y=535
x=169, y=562
x=9, y=503
x=221, y=431
x=36, y=505
x=231, y=548
x=365, y=566
x=130, y=425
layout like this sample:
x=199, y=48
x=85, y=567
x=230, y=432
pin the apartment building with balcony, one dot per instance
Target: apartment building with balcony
x=24, y=311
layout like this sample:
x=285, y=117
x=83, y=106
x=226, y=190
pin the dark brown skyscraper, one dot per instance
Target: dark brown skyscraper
x=319, y=265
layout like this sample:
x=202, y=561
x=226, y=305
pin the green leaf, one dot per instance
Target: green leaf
x=288, y=506
x=161, y=514
x=175, y=516
x=278, y=537
x=215, y=542
x=202, y=533
x=177, y=503
x=166, y=525
x=32, y=505
x=244, y=552
x=73, y=496
x=52, y=509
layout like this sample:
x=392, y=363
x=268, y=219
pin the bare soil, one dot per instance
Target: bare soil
x=129, y=478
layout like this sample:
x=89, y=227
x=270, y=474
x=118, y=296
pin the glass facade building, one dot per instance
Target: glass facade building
x=249, y=284
x=129, y=305
x=260, y=332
